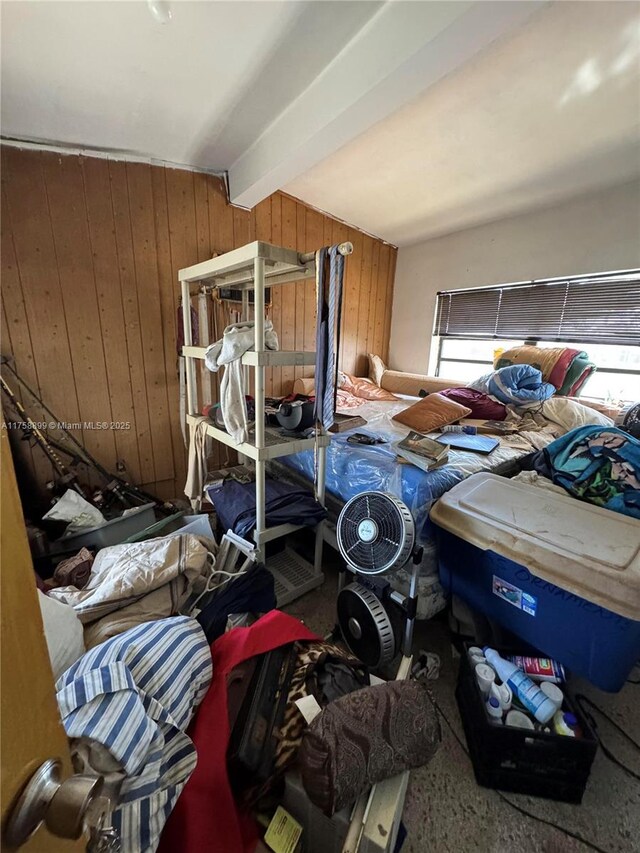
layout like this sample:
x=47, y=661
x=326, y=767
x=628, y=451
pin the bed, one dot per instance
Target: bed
x=352, y=469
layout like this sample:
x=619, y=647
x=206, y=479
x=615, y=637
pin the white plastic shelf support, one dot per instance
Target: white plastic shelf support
x=254, y=267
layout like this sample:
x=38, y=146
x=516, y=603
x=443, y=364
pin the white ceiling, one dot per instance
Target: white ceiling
x=108, y=75
x=407, y=119
x=550, y=111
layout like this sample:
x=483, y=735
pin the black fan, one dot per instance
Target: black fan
x=376, y=534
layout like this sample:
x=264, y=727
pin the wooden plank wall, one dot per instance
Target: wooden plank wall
x=90, y=253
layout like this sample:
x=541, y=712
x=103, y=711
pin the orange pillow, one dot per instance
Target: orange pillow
x=431, y=413
x=364, y=388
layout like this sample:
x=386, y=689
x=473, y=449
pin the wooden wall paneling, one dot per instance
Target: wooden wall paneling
x=201, y=201
x=218, y=224
x=276, y=292
x=314, y=239
x=381, y=293
x=351, y=303
x=135, y=344
x=364, y=305
x=36, y=260
x=122, y=232
x=373, y=296
x=388, y=305
x=340, y=233
x=241, y=227
x=207, y=387
x=288, y=309
x=262, y=226
x=221, y=217
x=65, y=192
x=300, y=286
x=16, y=344
x=168, y=283
x=153, y=337
x=29, y=460
x=205, y=251
x=182, y=226
x=106, y=271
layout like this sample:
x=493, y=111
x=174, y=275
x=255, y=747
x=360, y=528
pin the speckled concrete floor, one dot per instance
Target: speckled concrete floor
x=447, y=812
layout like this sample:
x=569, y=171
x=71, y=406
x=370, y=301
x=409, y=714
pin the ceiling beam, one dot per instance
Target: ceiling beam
x=401, y=51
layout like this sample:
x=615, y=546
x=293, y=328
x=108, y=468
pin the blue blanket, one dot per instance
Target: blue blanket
x=600, y=465
x=519, y=385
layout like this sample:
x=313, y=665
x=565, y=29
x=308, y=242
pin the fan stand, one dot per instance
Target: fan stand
x=377, y=798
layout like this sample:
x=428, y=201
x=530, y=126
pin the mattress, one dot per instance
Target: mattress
x=352, y=469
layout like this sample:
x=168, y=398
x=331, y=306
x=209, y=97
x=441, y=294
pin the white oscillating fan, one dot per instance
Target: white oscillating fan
x=376, y=535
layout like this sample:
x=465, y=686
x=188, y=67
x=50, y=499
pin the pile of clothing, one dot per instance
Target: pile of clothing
x=360, y=734
x=597, y=464
x=565, y=368
x=138, y=582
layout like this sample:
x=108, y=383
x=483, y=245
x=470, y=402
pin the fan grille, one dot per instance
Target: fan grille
x=375, y=532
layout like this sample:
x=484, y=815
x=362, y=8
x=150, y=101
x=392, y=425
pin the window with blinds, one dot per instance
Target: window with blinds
x=602, y=309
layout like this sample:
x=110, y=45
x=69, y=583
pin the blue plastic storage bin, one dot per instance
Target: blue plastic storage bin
x=561, y=574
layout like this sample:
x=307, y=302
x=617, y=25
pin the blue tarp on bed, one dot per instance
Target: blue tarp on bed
x=353, y=469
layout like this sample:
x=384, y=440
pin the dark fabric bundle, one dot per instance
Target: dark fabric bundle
x=235, y=505
x=253, y=592
x=365, y=737
x=481, y=405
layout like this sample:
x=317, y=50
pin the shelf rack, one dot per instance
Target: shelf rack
x=254, y=267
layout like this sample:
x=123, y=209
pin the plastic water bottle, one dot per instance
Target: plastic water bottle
x=529, y=694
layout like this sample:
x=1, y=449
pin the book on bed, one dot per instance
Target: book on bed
x=422, y=451
x=342, y=422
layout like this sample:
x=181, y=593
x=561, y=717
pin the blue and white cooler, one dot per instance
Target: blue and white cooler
x=561, y=574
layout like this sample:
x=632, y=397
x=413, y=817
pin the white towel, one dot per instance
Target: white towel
x=236, y=340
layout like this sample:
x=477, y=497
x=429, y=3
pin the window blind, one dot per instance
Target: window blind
x=603, y=309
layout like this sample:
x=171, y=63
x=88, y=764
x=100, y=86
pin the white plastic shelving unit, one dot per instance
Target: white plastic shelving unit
x=254, y=267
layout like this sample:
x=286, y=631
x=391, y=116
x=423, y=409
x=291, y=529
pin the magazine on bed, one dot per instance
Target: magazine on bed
x=422, y=451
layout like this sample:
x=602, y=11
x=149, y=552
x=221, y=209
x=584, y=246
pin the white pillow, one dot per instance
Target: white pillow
x=569, y=414
x=63, y=632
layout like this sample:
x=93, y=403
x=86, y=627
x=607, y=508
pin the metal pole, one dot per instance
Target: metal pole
x=320, y=493
x=258, y=279
x=343, y=249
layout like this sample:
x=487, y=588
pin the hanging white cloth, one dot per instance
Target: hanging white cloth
x=227, y=352
x=199, y=450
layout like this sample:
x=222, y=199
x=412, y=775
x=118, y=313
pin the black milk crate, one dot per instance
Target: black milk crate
x=521, y=760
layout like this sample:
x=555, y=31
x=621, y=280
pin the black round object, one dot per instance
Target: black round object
x=297, y=415
x=366, y=626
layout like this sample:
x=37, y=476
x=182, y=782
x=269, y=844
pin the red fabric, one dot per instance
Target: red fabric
x=577, y=385
x=559, y=372
x=482, y=405
x=206, y=816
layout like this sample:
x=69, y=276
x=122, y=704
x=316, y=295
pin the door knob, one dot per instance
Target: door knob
x=62, y=806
